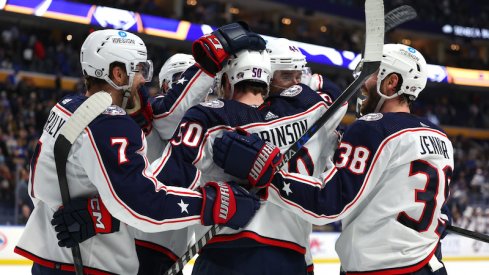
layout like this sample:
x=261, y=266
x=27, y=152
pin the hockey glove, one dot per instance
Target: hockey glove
x=248, y=157
x=212, y=50
x=228, y=204
x=82, y=219
x=141, y=110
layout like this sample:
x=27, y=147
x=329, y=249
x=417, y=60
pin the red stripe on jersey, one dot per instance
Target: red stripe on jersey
x=398, y=270
x=276, y=121
x=163, y=250
x=63, y=109
x=180, y=98
x=129, y=210
x=58, y=265
x=260, y=239
x=163, y=160
x=374, y=161
x=249, y=126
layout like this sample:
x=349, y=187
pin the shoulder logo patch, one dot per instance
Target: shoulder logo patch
x=213, y=104
x=114, y=111
x=292, y=91
x=270, y=116
x=65, y=101
x=372, y=117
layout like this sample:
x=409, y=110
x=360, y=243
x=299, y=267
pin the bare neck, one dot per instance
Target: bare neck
x=248, y=98
x=394, y=105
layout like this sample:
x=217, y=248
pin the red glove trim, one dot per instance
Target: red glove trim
x=102, y=220
x=224, y=204
x=261, y=165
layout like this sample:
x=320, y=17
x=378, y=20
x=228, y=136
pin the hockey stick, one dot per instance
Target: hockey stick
x=392, y=19
x=399, y=16
x=88, y=111
x=467, y=233
x=374, y=17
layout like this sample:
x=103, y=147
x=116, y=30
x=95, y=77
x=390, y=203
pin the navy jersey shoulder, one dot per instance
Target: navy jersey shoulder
x=374, y=128
x=295, y=99
x=223, y=112
x=71, y=102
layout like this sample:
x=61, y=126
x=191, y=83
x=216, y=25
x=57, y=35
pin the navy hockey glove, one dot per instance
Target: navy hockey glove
x=82, y=219
x=228, y=204
x=247, y=157
x=212, y=50
x=141, y=110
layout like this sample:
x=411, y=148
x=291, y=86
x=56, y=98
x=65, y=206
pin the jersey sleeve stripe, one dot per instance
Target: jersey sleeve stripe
x=128, y=209
x=63, y=109
x=180, y=98
x=365, y=181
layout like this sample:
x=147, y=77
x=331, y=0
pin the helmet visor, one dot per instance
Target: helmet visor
x=146, y=69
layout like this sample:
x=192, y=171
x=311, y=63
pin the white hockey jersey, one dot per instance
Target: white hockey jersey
x=282, y=119
x=107, y=159
x=168, y=110
x=388, y=184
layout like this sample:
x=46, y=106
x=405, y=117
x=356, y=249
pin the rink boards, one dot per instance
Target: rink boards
x=455, y=248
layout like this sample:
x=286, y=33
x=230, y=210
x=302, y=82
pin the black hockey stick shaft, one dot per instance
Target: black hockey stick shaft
x=398, y=16
x=467, y=233
x=61, y=150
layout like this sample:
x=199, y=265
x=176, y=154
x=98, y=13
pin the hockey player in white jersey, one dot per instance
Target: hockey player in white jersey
x=388, y=180
x=158, y=251
x=281, y=120
x=108, y=163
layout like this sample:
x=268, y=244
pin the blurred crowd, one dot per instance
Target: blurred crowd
x=24, y=109
x=300, y=21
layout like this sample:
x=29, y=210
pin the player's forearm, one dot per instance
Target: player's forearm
x=317, y=200
x=169, y=110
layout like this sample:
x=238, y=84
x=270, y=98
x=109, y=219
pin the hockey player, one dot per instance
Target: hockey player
x=109, y=160
x=287, y=64
x=184, y=85
x=388, y=180
x=280, y=120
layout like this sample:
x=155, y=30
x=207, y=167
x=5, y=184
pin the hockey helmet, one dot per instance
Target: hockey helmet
x=285, y=55
x=174, y=67
x=104, y=47
x=247, y=65
x=405, y=61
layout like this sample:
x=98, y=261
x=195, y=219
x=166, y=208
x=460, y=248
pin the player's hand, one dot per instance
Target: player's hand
x=141, y=110
x=82, y=219
x=228, y=204
x=248, y=157
x=212, y=50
